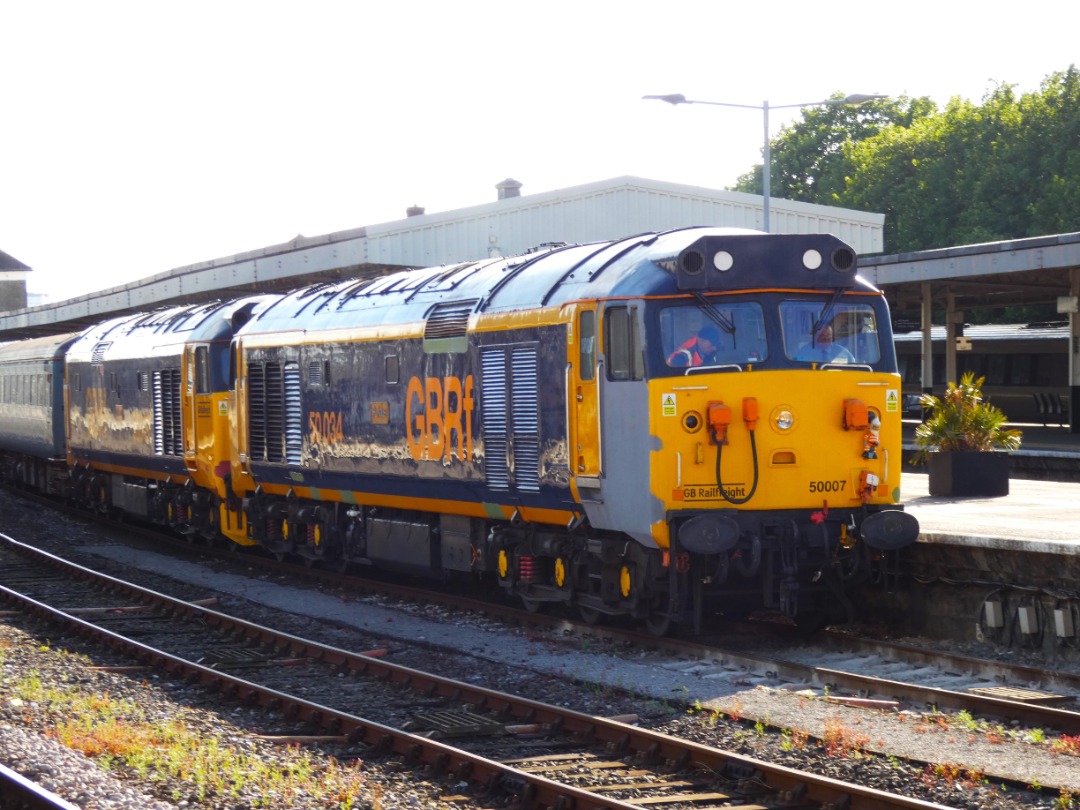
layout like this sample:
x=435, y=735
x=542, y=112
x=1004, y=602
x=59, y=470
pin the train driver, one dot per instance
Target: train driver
x=699, y=350
x=823, y=350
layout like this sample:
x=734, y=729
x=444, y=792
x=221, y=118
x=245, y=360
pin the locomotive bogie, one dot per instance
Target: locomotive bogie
x=603, y=575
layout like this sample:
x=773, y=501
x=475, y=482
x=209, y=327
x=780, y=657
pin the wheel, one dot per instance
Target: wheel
x=532, y=605
x=590, y=616
x=658, y=624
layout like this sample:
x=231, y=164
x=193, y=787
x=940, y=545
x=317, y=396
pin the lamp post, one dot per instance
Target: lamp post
x=854, y=100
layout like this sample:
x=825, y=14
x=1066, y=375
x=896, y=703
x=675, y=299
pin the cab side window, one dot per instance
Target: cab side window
x=587, y=344
x=202, y=370
x=622, y=344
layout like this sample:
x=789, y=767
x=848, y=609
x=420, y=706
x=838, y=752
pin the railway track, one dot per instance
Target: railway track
x=840, y=664
x=734, y=660
x=19, y=793
x=586, y=761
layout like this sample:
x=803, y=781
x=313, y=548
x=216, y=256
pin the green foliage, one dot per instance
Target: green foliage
x=961, y=421
x=1007, y=168
x=809, y=158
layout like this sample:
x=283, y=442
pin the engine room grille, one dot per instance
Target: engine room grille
x=167, y=413
x=274, y=412
x=447, y=327
x=294, y=438
x=448, y=320
x=511, y=417
x=525, y=414
x=493, y=404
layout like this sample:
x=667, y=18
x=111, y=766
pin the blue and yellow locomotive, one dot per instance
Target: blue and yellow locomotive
x=644, y=427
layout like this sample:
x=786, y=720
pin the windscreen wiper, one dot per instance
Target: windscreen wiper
x=826, y=314
x=717, y=317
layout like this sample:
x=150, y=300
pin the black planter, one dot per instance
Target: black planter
x=968, y=475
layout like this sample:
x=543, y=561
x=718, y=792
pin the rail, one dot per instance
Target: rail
x=19, y=793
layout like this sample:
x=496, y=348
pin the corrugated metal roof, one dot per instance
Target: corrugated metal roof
x=1052, y=330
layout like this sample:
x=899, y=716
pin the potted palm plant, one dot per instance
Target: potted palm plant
x=964, y=442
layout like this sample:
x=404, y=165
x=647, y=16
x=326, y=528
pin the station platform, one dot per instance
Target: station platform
x=1040, y=513
x=1035, y=517
x=1020, y=552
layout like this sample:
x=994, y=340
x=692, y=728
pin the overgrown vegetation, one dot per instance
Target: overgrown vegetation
x=118, y=735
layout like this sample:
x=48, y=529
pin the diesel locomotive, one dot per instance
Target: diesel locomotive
x=647, y=427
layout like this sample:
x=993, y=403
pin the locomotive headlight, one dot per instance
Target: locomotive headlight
x=692, y=421
x=812, y=259
x=723, y=261
x=783, y=419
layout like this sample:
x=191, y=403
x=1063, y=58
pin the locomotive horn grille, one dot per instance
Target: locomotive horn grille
x=843, y=259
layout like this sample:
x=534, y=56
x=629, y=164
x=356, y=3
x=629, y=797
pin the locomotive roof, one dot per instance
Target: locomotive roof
x=165, y=331
x=643, y=265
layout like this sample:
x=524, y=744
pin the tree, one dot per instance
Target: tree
x=1052, y=135
x=1007, y=168
x=808, y=157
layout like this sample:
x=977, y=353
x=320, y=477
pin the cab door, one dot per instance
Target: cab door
x=584, y=393
x=197, y=405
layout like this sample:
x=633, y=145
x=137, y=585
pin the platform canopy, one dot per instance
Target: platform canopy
x=512, y=224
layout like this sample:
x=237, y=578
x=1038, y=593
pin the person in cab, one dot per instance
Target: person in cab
x=822, y=349
x=700, y=350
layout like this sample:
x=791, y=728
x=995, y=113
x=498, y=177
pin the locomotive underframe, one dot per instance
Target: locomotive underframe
x=795, y=562
x=780, y=561
x=32, y=472
x=174, y=501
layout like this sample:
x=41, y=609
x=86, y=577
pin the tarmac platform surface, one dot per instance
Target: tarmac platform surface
x=1036, y=515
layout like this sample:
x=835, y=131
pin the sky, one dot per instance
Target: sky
x=137, y=137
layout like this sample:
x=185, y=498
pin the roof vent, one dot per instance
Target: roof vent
x=414, y=211
x=508, y=188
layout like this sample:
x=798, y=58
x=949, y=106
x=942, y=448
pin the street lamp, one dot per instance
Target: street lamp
x=854, y=100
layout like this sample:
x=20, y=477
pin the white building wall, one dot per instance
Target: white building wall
x=608, y=209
